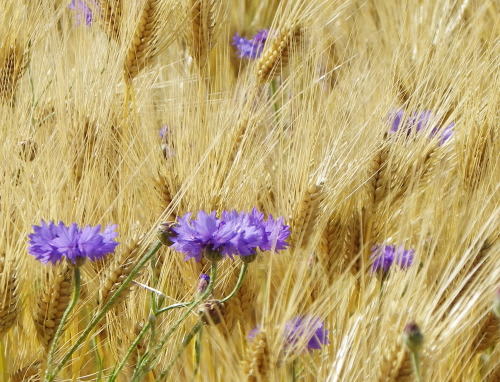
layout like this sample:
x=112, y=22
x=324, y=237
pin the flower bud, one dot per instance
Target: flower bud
x=212, y=255
x=165, y=233
x=211, y=312
x=203, y=282
x=413, y=337
x=248, y=258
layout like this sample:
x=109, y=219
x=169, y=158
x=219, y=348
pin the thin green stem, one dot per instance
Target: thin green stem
x=239, y=283
x=416, y=365
x=106, y=307
x=185, y=343
x=138, y=338
x=98, y=361
x=152, y=355
x=64, y=318
x=197, y=352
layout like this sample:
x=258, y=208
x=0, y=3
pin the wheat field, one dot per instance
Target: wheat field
x=366, y=125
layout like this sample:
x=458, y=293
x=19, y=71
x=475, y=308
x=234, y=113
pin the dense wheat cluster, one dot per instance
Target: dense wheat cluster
x=369, y=126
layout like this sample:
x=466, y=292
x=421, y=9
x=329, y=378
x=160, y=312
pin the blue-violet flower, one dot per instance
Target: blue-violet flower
x=235, y=233
x=83, y=13
x=419, y=121
x=50, y=242
x=385, y=255
x=251, y=48
x=305, y=333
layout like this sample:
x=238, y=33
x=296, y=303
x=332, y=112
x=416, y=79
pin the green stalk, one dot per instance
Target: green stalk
x=149, y=356
x=415, y=362
x=197, y=353
x=185, y=343
x=138, y=338
x=64, y=318
x=106, y=307
x=239, y=283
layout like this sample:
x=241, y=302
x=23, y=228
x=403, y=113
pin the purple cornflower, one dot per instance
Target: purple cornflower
x=51, y=242
x=384, y=256
x=235, y=233
x=419, y=121
x=250, y=48
x=276, y=231
x=305, y=333
x=83, y=13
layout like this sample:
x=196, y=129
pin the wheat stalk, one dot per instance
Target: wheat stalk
x=277, y=53
x=14, y=60
x=111, y=15
x=396, y=365
x=257, y=364
x=202, y=23
x=27, y=373
x=144, y=45
x=9, y=304
x=306, y=215
x=489, y=333
x=119, y=272
x=52, y=302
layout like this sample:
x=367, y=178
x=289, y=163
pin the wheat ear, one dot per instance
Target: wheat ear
x=277, y=53
x=9, y=303
x=144, y=44
x=119, y=272
x=489, y=334
x=52, y=302
x=331, y=245
x=27, y=373
x=306, y=215
x=13, y=64
x=111, y=14
x=202, y=22
x=257, y=364
x=396, y=366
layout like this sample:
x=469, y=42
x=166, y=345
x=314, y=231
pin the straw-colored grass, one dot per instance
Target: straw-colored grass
x=301, y=132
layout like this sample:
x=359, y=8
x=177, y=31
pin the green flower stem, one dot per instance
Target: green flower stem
x=185, y=343
x=64, y=318
x=170, y=307
x=100, y=315
x=197, y=352
x=138, y=338
x=152, y=355
x=416, y=365
x=239, y=283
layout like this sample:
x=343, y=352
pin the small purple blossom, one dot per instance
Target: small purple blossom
x=51, y=242
x=384, y=256
x=235, y=233
x=305, y=333
x=417, y=122
x=251, y=48
x=83, y=13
